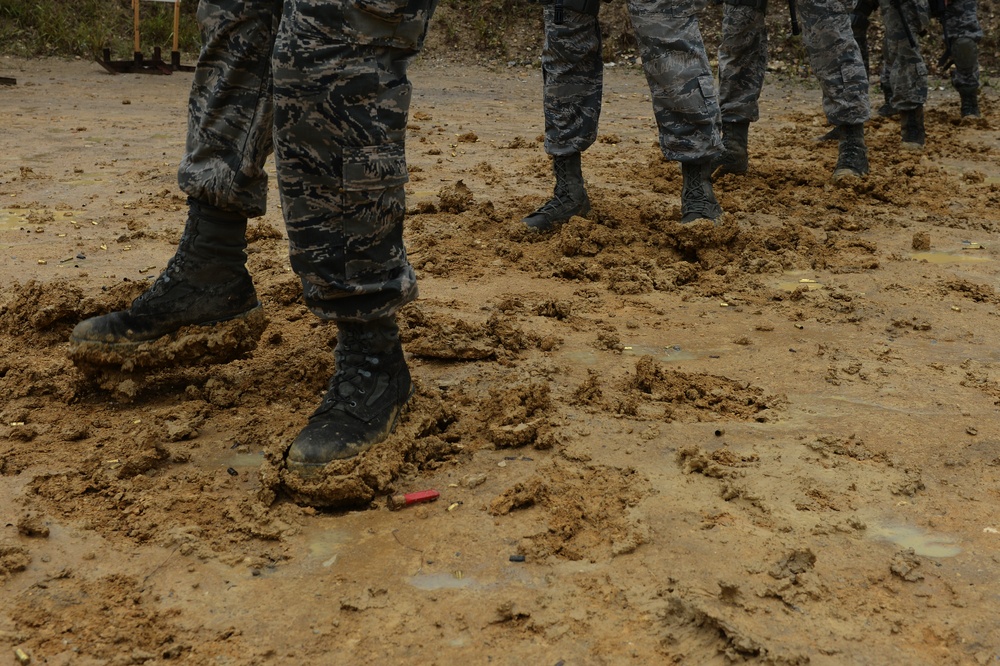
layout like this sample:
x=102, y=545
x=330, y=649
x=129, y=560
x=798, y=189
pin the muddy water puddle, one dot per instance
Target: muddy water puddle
x=798, y=280
x=923, y=543
x=665, y=354
x=971, y=253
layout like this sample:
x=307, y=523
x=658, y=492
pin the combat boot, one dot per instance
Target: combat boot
x=912, y=124
x=965, y=51
x=852, y=160
x=568, y=199
x=205, y=282
x=970, y=102
x=734, y=157
x=697, y=198
x=364, y=398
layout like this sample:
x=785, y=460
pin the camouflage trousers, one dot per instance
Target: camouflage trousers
x=904, y=73
x=742, y=61
x=322, y=85
x=833, y=53
x=960, y=20
x=677, y=70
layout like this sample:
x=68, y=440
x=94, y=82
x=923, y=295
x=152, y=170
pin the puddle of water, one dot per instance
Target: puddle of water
x=440, y=581
x=324, y=544
x=13, y=218
x=799, y=284
x=922, y=543
x=958, y=257
x=669, y=354
x=238, y=460
x=672, y=354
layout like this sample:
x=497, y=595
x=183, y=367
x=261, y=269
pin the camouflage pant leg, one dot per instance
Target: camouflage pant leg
x=341, y=99
x=742, y=62
x=680, y=78
x=860, y=22
x=572, y=75
x=836, y=59
x=229, y=110
x=960, y=20
x=907, y=73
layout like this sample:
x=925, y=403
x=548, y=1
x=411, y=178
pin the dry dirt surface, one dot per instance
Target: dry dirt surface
x=771, y=441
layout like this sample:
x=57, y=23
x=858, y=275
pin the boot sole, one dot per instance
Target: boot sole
x=312, y=470
x=583, y=212
x=844, y=176
x=198, y=344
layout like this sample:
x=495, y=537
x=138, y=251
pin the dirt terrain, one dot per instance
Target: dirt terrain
x=772, y=441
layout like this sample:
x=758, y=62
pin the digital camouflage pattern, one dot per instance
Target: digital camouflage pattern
x=960, y=21
x=742, y=61
x=836, y=60
x=685, y=103
x=332, y=105
x=903, y=69
x=833, y=55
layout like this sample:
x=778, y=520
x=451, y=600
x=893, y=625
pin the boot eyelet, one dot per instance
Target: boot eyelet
x=353, y=403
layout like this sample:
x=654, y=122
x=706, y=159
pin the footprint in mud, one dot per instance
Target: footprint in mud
x=587, y=511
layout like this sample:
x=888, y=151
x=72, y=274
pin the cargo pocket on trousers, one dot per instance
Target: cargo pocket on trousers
x=374, y=206
x=391, y=11
x=374, y=167
x=709, y=93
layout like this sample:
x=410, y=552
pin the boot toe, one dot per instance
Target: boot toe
x=106, y=329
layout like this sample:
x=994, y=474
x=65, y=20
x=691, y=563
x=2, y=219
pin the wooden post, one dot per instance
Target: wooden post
x=135, y=21
x=177, y=25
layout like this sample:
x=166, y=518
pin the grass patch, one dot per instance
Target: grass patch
x=84, y=28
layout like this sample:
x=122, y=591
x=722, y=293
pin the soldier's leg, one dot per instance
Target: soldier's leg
x=907, y=71
x=222, y=172
x=836, y=59
x=742, y=63
x=572, y=75
x=964, y=34
x=342, y=97
x=685, y=102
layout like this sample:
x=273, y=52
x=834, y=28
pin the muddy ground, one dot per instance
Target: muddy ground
x=771, y=441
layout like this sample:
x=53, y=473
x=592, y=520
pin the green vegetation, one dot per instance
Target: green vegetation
x=86, y=27
x=482, y=30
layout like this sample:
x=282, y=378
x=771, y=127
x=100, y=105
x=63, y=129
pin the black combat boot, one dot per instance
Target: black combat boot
x=568, y=199
x=912, y=123
x=364, y=399
x=852, y=161
x=206, y=282
x=697, y=198
x=734, y=157
x=965, y=51
x=969, y=97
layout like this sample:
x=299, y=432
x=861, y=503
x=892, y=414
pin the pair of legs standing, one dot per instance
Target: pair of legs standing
x=681, y=85
x=834, y=56
x=322, y=85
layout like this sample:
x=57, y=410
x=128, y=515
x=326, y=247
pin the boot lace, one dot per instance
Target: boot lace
x=349, y=382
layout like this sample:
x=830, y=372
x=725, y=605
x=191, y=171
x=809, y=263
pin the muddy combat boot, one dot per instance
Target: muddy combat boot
x=206, y=282
x=852, y=161
x=965, y=51
x=568, y=199
x=912, y=124
x=363, y=401
x=697, y=198
x=970, y=102
x=734, y=157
